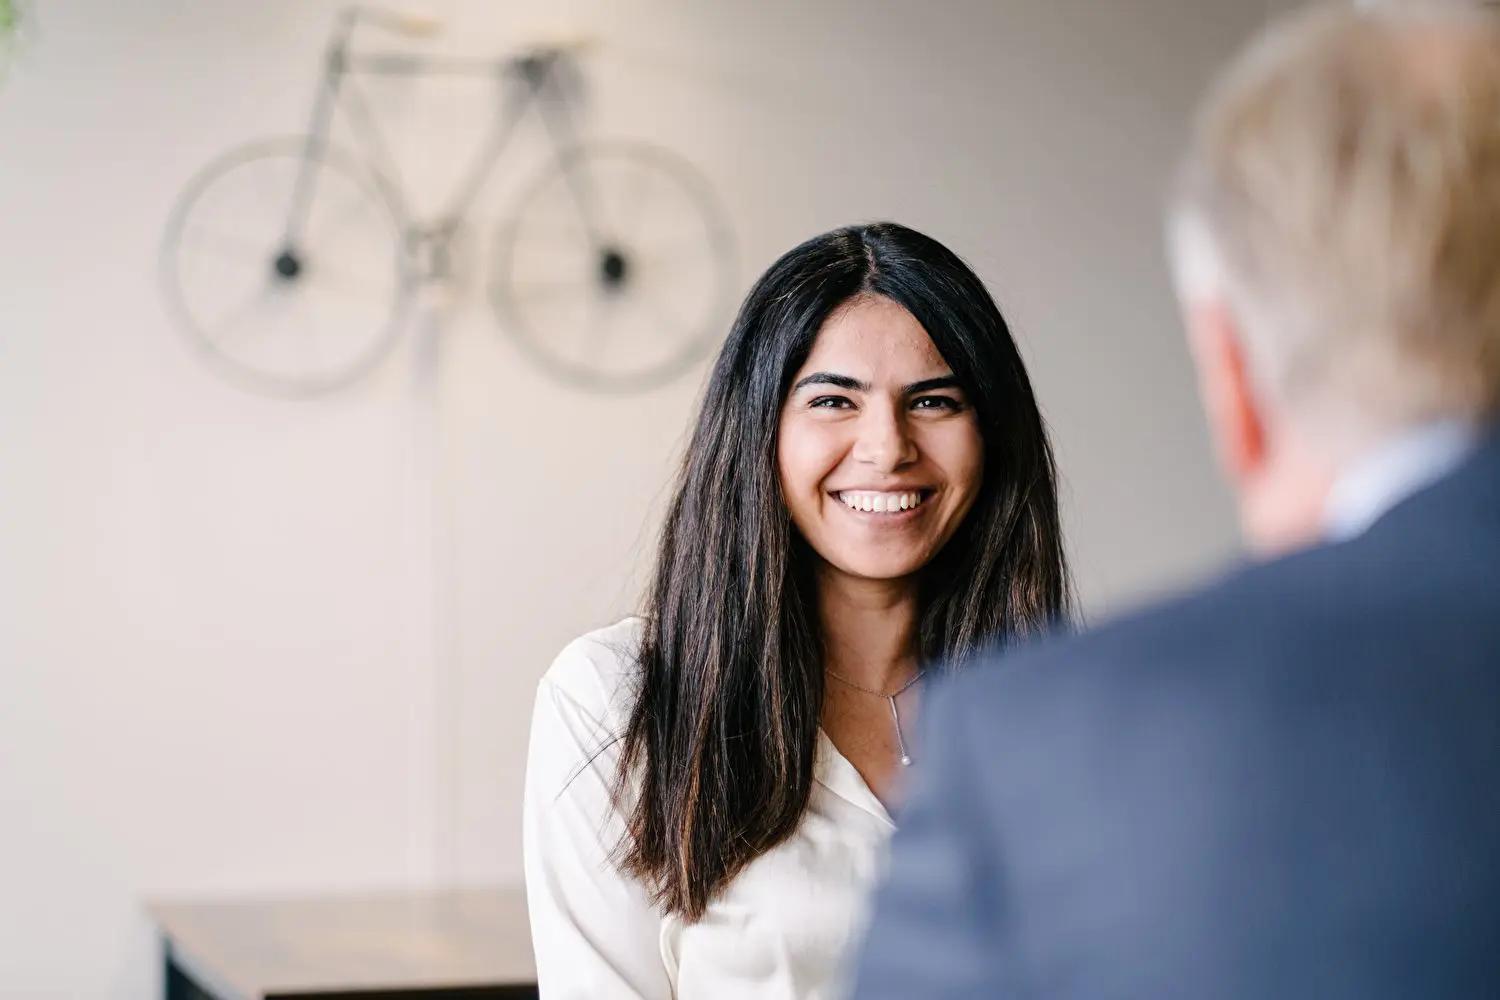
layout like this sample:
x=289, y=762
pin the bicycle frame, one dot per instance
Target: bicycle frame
x=534, y=81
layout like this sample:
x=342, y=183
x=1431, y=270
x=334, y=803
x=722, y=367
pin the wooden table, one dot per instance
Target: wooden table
x=469, y=944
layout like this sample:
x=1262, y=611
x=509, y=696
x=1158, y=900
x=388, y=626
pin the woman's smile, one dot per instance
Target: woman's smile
x=884, y=502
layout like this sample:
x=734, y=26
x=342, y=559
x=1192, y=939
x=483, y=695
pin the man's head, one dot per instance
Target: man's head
x=1336, y=237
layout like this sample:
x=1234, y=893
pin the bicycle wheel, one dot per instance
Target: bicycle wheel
x=615, y=272
x=288, y=315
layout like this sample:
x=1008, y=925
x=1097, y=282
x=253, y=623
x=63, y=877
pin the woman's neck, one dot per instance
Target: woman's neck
x=869, y=629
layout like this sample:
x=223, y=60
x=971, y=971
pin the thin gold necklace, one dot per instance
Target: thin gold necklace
x=895, y=714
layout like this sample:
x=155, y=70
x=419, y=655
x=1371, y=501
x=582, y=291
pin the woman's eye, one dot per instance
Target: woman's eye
x=937, y=403
x=830, y=403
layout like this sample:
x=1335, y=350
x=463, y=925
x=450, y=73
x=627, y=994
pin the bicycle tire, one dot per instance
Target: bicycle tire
x=683, y=346
x=366, y=335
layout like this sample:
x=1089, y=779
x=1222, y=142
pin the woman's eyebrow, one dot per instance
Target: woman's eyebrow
x=930, y=384
x=830, y=378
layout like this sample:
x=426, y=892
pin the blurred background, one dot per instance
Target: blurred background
x=251, y=645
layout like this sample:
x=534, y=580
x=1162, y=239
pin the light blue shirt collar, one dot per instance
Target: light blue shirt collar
x=1392, y=472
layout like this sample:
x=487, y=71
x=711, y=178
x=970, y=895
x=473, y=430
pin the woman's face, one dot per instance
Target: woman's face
x=880, y=454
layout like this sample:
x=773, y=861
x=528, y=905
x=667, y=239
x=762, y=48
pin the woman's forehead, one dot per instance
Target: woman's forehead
x=872, y=335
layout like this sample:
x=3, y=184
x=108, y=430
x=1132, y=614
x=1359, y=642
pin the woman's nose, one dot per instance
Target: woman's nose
x=885, y=441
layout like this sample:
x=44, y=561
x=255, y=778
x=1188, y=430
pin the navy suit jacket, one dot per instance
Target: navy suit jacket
x=1284, y=787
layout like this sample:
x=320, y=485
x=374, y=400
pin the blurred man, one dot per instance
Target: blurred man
x=1287, y=786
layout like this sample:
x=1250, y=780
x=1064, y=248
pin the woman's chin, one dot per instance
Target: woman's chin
x=879, y=569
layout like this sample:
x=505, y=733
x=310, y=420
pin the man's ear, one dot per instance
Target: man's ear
x=1235, y=418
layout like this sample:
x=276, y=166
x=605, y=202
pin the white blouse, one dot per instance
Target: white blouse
x=778, y=932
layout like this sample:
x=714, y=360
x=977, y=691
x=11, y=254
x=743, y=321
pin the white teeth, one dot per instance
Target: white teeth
x=880, y=503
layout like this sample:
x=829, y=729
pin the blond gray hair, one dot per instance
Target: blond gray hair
x=1341, y=194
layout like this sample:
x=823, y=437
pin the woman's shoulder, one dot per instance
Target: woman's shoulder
x=597, y=671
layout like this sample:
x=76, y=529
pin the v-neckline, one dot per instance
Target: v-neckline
x=842, y=778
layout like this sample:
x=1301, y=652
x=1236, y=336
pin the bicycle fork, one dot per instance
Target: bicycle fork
x=288, y=263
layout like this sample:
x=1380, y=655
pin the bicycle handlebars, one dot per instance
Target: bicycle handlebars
x=414, y=24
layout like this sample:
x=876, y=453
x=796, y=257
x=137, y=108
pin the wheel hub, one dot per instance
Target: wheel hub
x=613, y=268
x=287, y=265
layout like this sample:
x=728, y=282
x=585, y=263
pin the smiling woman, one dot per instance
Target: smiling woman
x=869, y=495
x=880, y=453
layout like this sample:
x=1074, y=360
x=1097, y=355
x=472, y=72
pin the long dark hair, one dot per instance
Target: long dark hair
x=724, y=728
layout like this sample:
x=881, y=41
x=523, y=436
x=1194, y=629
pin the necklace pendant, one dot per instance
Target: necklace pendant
x=900, y=736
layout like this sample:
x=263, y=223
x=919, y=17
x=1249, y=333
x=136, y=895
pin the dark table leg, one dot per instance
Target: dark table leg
x=175, y=983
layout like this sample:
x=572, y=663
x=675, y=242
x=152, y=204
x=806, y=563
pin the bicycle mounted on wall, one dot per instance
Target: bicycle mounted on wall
x=292, y=264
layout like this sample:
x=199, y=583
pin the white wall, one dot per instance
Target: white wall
x=250, y=646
